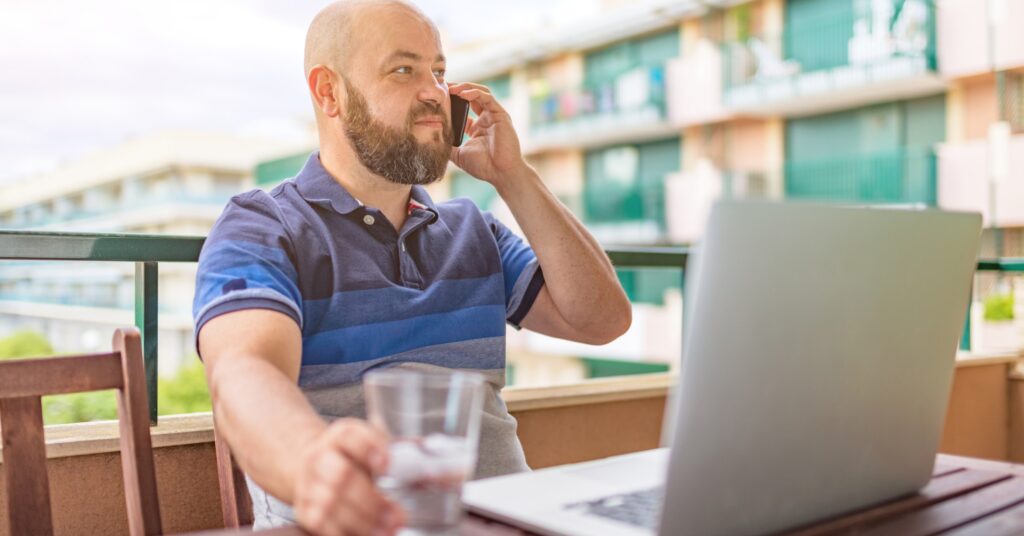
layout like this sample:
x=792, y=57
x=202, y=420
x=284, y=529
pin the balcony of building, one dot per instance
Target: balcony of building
x=984, y=176
x=631, y=107
x=976, y=37
x=846, y=55
x=131, y=204
x=608, y=95
x=902, y=176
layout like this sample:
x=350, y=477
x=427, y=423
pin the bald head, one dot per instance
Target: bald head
x=334, y=35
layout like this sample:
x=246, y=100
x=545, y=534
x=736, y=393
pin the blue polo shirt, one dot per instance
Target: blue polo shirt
x=435, y=295
x=438, y=292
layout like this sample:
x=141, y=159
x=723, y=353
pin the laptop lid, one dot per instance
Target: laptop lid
x=818, y=353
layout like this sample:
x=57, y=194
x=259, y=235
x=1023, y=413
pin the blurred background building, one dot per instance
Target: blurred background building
x=638, y=117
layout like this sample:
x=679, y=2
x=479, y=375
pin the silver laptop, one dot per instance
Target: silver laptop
x=818, y=352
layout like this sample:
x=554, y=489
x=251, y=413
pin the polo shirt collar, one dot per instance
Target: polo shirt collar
x=316, y=185
x=419, y=199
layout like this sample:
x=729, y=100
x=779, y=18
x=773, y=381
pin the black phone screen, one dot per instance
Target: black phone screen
x=460, y=111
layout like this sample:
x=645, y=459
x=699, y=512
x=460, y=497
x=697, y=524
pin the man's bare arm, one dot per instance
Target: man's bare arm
x=582, y=299
x=252, y=360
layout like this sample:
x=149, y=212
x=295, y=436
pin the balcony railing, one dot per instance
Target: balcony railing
x=902, y=176
x=633, y=102
x=147, y=251
x=826, y=54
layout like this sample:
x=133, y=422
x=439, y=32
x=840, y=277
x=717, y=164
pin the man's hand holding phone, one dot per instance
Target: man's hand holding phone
x=492, y=152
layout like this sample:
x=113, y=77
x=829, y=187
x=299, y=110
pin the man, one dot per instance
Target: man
x=351, y=266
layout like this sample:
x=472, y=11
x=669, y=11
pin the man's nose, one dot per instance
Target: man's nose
x=434, y=90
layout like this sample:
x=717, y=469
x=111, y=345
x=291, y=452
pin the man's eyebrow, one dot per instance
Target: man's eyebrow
x=405, y=54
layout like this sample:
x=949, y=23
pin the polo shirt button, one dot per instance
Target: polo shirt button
x=368, y=219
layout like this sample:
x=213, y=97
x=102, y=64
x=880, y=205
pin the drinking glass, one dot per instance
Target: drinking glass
x=434, y=422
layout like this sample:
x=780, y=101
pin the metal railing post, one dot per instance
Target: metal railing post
x=146, y=312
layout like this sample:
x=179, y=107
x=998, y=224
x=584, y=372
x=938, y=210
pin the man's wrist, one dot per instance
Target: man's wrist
x=515, y=183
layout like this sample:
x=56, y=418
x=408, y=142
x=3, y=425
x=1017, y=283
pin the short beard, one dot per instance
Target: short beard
x=394, y=154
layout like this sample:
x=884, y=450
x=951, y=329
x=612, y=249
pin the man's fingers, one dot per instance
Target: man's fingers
x=484, y=121
x=480, y=100
x=314, y=511
x=364, y=445
x=461, y=86
x=365, y=500
x=354, y=502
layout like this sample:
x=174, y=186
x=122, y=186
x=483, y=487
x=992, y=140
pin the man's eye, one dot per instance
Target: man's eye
x=405, y=69
x=439, y=73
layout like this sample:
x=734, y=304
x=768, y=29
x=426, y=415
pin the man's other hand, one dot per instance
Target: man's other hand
x=335, y=492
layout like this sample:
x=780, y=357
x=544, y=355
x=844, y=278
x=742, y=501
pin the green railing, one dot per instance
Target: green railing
x=147, y=251
x=905, y=175
x=613, y=202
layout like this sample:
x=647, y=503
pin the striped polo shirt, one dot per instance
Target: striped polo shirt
x=436, y=294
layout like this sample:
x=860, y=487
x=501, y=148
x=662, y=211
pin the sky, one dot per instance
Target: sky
x=78, y=76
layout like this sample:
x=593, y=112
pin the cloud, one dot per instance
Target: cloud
x=79, y=76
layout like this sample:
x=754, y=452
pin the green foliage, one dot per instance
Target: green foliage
x=741, y=16
x=80, y=407
x=186, y=392
x=999, y=307
x=24, y=344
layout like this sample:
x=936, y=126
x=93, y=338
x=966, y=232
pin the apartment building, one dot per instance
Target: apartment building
x=175, y=182
x=640, y=116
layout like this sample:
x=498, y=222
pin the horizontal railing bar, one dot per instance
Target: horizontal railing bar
x=55, y=246
x=44, y=245
x=650, y=257
x=1006, y=264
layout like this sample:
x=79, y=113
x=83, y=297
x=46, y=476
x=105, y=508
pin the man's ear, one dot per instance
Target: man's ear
x=323, y=86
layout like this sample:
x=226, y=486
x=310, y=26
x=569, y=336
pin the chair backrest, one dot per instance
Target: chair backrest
x=235, y=503
x=23, y=382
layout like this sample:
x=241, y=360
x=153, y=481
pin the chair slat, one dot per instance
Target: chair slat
x=59, y=375
x=28, y=487
x=235, y=503
x=136, y=444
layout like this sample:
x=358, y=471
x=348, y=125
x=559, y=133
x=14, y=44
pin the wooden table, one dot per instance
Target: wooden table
x=966, y=496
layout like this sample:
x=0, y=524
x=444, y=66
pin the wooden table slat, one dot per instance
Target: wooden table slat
x=1009, y=522
x=970, y=497
x=943, y=470
x=946, y=486
x=954, y=512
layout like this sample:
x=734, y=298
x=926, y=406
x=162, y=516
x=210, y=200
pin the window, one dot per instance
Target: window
x=627, y=182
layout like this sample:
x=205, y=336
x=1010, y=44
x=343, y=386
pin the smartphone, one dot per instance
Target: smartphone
x=460, y=111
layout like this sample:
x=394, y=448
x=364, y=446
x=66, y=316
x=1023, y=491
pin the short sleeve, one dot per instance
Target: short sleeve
x=523, y=276
x=246, y=263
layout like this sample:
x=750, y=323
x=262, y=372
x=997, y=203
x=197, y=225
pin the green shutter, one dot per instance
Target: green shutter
x=501, y=86
x=465, y=185
x=817, y=32
x=606, y=368
x=602, y=66
x=269, y=173
x=627, y=182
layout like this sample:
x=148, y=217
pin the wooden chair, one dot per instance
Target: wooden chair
x=23, y=382
x=235, y=503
